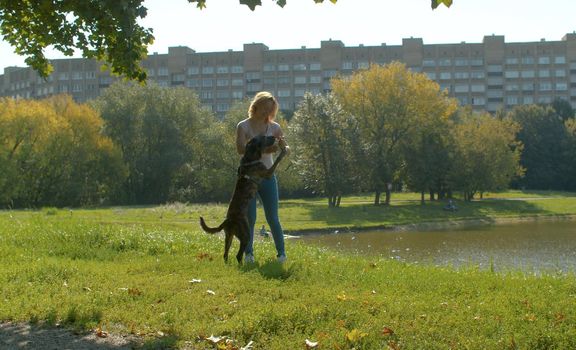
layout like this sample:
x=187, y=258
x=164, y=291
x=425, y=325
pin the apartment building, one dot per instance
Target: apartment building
x=488, y=76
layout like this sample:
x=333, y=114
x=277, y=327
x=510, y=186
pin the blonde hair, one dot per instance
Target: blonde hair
x=263, y=105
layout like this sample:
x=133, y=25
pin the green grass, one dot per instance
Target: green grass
x=128, y=270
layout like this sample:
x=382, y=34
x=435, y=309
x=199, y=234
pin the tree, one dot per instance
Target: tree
x=158, y=131
x=486, y=152
x=54, y=154
x=543, y=133
x=389, y=102
x=105, y=30
x=321, y=147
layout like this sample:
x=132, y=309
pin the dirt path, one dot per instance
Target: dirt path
x=25, y=336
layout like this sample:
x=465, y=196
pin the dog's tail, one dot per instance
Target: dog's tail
x=212, y=229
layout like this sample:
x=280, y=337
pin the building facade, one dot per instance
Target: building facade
x=488, y=76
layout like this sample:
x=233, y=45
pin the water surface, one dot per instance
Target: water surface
x=538, y=247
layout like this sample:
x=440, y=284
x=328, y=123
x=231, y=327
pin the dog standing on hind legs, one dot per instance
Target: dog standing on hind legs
x=250, y=172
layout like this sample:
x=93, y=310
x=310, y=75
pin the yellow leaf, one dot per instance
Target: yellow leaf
x=355, y=335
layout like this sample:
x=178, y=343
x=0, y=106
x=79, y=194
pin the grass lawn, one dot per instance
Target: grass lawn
x=149, y=271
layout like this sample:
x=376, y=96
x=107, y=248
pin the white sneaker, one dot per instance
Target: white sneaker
x=249, y=258
x=281, y=259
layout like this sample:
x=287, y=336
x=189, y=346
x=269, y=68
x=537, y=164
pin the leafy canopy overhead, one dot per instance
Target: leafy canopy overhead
x=106, y=30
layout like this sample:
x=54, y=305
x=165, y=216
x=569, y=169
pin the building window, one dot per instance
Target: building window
x=237, y=94
x=222, y=94
x=253, y=87
x=222, y=107
x=299, y=92
x=445, y=75
x=329, y=73
x=252, y=76
x=477, y=88
x=193, y=83
x=299, y=67
x=561, y=87
x=76, y=75
x=478, y=101
x=560, y=60
x=511, y=74
x=237, y=82
x=237, y=69
x=207, y=83
x=445, y=62
x=299, y=80
x=476, y=62
x=544, y=73
x=560, y=73
x=545, y=86
x=76, y=88
x=363, y=65
x=269, y=67
x=63, y=76
x=461, y=75
x=463, y=100
x=527, y=87
x=206, y=95
x=545, y=99
x=162, y=72
x=222, y=70
x=90, y=75
x=163, y=83
x=193, y=70
x=527, y=74
x=477, y=75
x=494, y=68
x=461, y=88
x=283, y=67
x=178, y=78
x=283, y=93
x=284, y=80
x=512, y=100
x=512, y=60
x=428, y=63
x=513, y=87
x=431, y=75
x=527, y=60
x=461, y=62
x=222, y=82
x=528, y=100
x=208, y=70
x=544, y=60
x=315, y=79
x=347, y=65
x=315, y=66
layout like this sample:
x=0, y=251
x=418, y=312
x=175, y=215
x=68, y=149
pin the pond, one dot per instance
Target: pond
x=531, y=247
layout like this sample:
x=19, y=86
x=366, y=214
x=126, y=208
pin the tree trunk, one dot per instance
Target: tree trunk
x=388, y=195
x=338, y=199
x=377, y=197
x=422, y=197
x=431, y=196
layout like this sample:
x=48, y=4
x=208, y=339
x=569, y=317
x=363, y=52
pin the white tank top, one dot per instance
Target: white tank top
x=272, y=129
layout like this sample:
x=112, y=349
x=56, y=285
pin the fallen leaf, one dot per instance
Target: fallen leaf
x=215, y=340
x=248, y=346
x=342, y=297
x=311, y=344
x=355, y=335
x=204, y=256
x=100, y=333
x=134, y=291
x=211, y=292
x=194, y=280
x=88, y=289
x=387, y=331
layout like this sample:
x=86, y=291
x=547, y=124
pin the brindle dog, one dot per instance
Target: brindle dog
x=250, y=172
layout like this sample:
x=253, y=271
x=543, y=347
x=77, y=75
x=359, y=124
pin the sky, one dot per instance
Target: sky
x=225, y=24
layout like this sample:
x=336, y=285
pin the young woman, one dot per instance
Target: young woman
x=260, y=121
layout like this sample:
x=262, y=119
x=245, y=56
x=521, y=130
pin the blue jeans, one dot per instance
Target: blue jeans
x=268, y=193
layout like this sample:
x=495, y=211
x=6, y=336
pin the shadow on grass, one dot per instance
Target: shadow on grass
x=362, y=215
x=271, y=270
x=36, y=337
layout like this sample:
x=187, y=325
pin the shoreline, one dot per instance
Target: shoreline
x=435, y=225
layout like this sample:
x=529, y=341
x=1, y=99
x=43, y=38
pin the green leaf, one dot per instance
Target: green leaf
x=251, y=3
